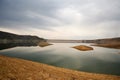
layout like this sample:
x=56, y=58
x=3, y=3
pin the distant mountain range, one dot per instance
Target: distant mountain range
x=98, y=41
x=6, y=37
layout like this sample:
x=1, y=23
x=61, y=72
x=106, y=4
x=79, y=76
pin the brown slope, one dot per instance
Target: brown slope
x=19, y=69
x=115, y=46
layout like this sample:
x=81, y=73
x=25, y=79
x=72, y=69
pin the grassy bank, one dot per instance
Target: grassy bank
x=19, y=69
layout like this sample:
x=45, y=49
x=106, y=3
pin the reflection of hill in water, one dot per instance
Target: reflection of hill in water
x=9, y=40
x=11, y=45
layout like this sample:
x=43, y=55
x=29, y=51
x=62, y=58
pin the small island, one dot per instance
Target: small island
x=83, y=48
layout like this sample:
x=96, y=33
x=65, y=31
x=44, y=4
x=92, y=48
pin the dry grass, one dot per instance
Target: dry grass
x=83, y=48
x=19, y=69
x=116, y=46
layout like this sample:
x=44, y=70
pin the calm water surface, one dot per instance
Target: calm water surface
x=100, y=60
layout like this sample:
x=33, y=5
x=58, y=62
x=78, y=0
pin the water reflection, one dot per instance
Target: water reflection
x=100, y=60
x=12, y=45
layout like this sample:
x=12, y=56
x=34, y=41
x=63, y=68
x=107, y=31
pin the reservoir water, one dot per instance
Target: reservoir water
x=100, y=60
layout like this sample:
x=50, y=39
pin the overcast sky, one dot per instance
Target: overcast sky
x=61, y=19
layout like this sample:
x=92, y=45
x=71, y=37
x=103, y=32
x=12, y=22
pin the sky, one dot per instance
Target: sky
x=61, y=19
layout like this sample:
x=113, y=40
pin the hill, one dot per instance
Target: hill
x=6, y=37
x=101, y=41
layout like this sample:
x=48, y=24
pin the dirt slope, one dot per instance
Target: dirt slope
x=19, y=69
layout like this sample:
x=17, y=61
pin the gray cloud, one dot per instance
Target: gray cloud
x=69, y=14
x=16, y=12
x=98, y=11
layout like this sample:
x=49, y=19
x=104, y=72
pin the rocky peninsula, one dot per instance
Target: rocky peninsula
x=44, y=44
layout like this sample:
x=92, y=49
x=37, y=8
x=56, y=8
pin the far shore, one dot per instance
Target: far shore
x=19, y=69
x=115, y=46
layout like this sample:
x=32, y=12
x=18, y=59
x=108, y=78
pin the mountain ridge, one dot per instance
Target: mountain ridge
x=6, y=37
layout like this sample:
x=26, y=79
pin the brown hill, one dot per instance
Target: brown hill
x=115, y=46
x=18, y=69
x=6, y=38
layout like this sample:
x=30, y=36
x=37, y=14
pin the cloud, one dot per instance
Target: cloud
x=26, y=13
x=61, y=18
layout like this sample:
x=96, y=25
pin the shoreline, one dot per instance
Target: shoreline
x=114, y=46
x=20, y=69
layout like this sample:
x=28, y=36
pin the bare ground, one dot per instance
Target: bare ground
x=115, y=46
x=19, y=69
x=83, y=48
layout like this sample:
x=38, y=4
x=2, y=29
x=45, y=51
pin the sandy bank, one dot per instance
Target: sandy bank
x=19, y=69
x=44, y=44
